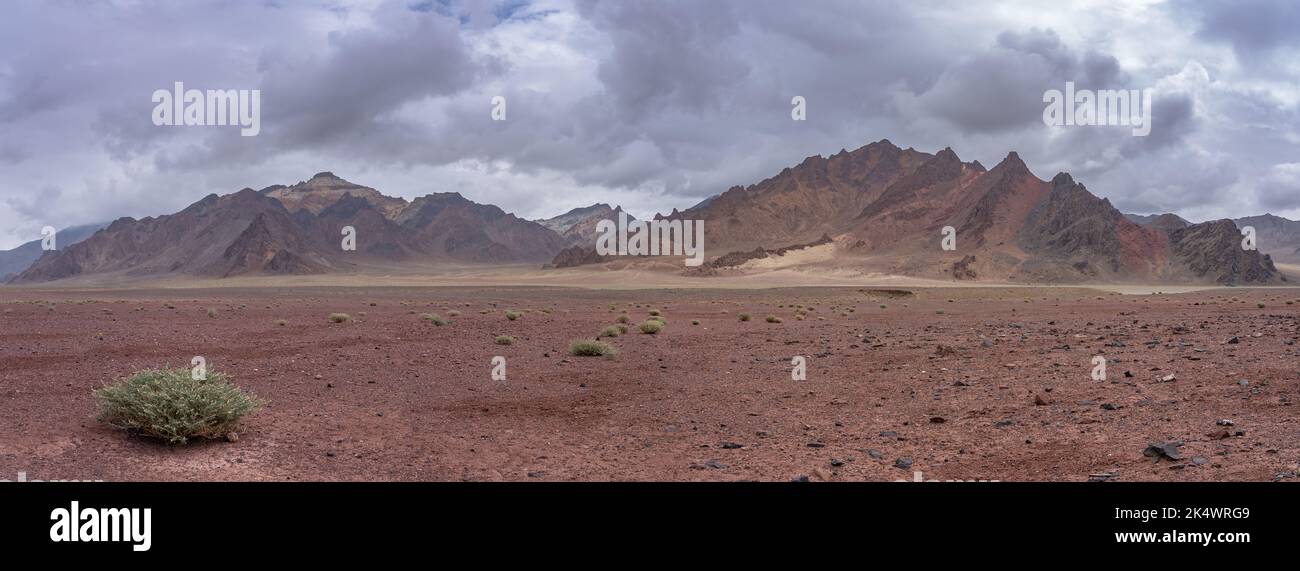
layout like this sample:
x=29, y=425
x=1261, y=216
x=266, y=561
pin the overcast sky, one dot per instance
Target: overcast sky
x=648, y=104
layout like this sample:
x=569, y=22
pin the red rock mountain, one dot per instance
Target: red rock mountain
x=298, y=230
x=886, y=207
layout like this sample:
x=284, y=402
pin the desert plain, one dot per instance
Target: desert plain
x=953, y=383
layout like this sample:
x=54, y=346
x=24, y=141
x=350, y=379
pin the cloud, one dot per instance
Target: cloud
x=653, y=105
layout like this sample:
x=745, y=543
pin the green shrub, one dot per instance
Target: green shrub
x=340, y=317
x=512, y=315
x=651, y=326
x=654, y=312
x=744, y=317
x=212, y=312
x=281, y=322
x=453, y=313
x=623, y=319
x=773, y=319
x=505, y=340
x=611, y=331
x=434, y=319
x=586, y=348
x=169, y=404
x=621, y=328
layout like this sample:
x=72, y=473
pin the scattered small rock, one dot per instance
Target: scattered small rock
x=1160, y=450
x=904, y=463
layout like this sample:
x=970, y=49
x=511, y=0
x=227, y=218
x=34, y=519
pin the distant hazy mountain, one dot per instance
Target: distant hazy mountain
x=578, y=226
x=1276, y=236
x=18, y=259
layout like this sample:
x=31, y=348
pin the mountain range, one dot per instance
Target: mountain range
x=879, y=208
x=885, y=207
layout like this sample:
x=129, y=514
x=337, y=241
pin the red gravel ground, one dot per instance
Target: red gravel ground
x=971, y=383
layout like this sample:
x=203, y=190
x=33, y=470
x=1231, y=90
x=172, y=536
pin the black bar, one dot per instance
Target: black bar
x=464, y=519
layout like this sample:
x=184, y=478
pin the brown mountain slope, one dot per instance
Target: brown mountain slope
x=324, y=189
x=299, y=230
x=800, y=204
x=886, y=207
x=217, y=236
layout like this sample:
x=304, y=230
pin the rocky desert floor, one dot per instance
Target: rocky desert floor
x=955, y=383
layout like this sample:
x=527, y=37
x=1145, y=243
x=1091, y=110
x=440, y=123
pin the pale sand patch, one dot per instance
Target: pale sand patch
x=815, y=254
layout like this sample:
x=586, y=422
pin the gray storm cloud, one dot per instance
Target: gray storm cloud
x=652, y=105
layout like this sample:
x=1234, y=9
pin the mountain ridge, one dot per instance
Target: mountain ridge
x=878, y=208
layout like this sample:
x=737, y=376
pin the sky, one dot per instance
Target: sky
x=652, y=105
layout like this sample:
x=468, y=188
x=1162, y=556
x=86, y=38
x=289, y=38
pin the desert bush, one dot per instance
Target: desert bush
x=512, y=315
x=773, y=319
x=695, y=322
x=659, y=318
x=623, y=319
x=505, y=340
x=611, y=331
x=621, y=328
x=340, y=317
x=651, y=326
x=453, y=313
x=587, y=348
x=654, y=312
x=281, y=322
x=169, y=404
x=212, y=312
x=744, y=317
x=434, y=319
